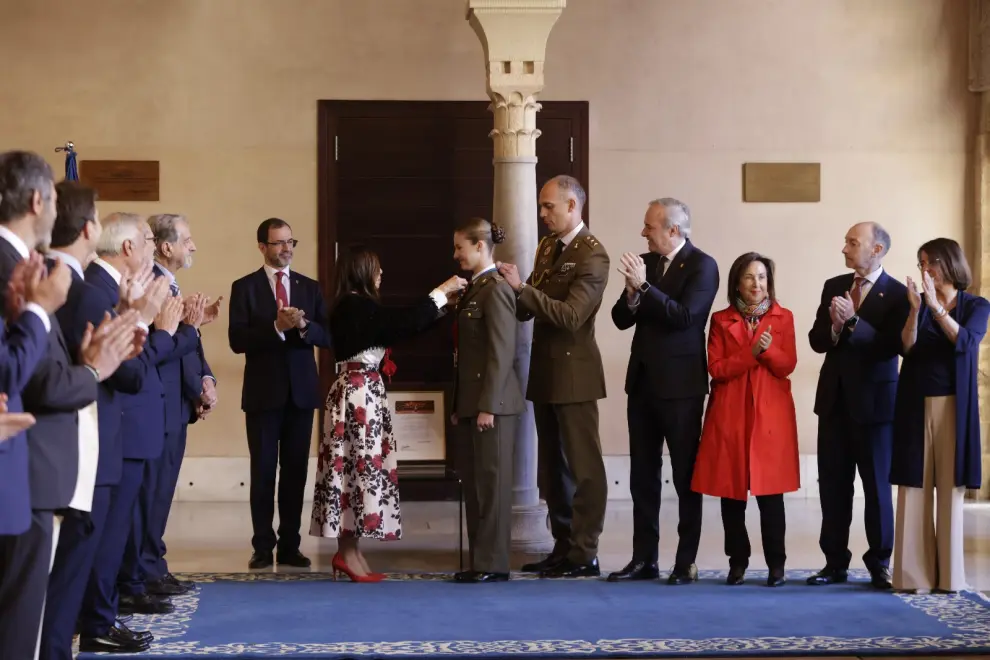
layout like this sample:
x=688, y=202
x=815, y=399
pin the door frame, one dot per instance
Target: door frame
x=329, y=114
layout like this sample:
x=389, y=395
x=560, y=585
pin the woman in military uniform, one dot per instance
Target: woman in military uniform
x=487, y=400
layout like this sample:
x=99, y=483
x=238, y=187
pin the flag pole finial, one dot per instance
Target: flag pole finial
x=68, y=148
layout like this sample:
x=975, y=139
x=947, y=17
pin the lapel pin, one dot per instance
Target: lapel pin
x=681, y=266
x=881, y=294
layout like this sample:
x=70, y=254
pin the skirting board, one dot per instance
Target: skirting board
x=204, y=479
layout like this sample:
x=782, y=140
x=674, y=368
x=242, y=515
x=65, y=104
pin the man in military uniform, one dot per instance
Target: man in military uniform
x=566, y=378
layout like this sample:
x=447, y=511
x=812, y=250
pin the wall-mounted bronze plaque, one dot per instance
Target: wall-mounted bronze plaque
x=121, y=180
x=782, y=182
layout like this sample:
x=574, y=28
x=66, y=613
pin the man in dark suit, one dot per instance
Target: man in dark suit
x=74, y=241
x=57, y=390
x=126, y=246
x=668, y=297
x=188, y=384
x=566, y=378
x=276, y=318
x=858, y=328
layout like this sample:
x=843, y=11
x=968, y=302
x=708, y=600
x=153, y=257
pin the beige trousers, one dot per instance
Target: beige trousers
x=928, y=540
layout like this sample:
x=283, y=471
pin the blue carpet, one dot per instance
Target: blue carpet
x=305, y=615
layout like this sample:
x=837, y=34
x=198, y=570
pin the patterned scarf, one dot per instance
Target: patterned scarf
x=753, y=313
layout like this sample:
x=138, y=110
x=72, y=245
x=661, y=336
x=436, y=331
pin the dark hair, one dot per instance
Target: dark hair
x=356, y=273
x=479, y=229
x=740, y=265
x=74, y=207
x=22, y=173
x=947, y=257
x=271, y=223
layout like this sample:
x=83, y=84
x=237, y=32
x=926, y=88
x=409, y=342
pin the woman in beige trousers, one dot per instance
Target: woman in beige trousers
x=936, y=452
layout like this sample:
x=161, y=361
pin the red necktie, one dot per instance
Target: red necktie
x=280, y=294
x=857, y=292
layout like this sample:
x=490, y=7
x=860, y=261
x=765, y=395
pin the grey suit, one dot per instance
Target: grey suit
x=55, y=393
x=485, y=382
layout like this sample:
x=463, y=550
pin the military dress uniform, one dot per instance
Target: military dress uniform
x=485, y=382
x=566, y=379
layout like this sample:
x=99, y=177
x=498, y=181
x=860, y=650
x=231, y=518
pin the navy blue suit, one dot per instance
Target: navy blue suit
x=855, y=408
x=281, y=391
x=907, y=467
x=182, y=382
x=139, y=418
x=666, y=384
x=55, y=393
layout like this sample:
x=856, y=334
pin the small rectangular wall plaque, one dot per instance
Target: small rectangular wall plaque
x=121, y=180
x=782, y=182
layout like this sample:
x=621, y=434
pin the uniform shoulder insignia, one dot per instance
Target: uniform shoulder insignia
x=591, y=241
x=497, y=277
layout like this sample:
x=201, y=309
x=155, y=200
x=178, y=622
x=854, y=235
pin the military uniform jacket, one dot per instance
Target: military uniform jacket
x=484, y=379
x=564, y=296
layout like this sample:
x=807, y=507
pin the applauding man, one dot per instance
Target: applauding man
x=566, y=378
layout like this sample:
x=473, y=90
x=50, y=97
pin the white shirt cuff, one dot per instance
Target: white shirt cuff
x=835, y=335
x=143, y=326
x=37, y=309
x=281, y=334
x=633, y=304
x=439, y=298
x=211, y=378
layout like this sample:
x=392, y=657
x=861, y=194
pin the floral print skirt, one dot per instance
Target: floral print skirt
x=357, y=486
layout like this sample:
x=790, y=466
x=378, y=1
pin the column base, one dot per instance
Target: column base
x=530, y=529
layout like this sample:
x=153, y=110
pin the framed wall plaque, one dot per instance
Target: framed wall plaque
x=419, y=425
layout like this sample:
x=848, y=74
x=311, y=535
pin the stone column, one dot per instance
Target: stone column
x=979, y=82
x=514, y=36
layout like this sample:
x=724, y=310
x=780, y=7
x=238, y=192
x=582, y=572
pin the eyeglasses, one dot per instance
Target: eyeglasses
x=925, y=264
x=289, y=243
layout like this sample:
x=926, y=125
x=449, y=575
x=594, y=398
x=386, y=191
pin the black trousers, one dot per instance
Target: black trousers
x=24, y=563
x=772, y=528
x=651, y=422
x=278, y=438
x=843, y=446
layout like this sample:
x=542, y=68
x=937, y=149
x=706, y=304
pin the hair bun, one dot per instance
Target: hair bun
x=498, y=234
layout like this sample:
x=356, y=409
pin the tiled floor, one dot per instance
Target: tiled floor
x=210, y=537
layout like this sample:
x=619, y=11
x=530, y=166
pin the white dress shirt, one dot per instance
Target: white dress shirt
x=864, y=291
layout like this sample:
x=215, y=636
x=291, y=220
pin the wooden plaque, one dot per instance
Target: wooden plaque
x=121, y=180
x=782, y=182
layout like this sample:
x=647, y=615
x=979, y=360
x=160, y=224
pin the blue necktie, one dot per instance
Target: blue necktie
x=174, y=289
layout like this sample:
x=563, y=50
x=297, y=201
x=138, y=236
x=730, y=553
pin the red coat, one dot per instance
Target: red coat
x=749, y=396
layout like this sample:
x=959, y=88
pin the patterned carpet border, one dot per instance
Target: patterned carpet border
x=968, y=619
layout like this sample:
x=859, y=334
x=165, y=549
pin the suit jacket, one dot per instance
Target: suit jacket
x=860, y=371
x=142, y=414
x=57, y=390
x=749, y=443
x=669, y=342
x=23, y=344
x=87, y=303
x=908, y=454
x=564, y=296
x=277, y=371
x=181, y=390
x=485, y=380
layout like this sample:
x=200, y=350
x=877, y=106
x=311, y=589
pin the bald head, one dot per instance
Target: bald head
x=867, y=243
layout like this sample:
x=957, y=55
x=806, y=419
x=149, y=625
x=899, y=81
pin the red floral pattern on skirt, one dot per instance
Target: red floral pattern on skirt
x=357, y=485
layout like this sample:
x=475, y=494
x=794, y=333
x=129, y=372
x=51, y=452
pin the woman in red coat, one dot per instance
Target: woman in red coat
x=749, y=442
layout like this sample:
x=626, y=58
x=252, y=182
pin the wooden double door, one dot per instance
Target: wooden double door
x=397, y=176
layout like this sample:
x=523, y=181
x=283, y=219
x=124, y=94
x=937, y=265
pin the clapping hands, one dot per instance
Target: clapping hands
x=633, y=268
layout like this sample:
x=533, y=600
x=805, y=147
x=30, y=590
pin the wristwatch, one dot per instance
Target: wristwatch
x=521, y=287
x=853, y=320
x=644, y=287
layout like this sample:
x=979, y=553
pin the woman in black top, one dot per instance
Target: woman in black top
x=357, y=494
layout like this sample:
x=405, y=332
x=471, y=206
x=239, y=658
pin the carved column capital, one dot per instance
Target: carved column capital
x=514, y=35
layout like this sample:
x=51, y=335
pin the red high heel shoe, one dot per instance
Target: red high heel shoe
x=340, y=566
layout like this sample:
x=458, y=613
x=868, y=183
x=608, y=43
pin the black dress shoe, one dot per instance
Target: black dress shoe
x=829, y=575
x=477, y=577
x=294, y=558
x=260, y=560
x=569, y=569
x=736, y=576
x=162, y=588
x=683, y=574
x=145, y=604
x=171, y=579
x=547, y=562
x=141, y=636
x=115, y=641
x=635, y=570
x=880, y=578
x=776, y=578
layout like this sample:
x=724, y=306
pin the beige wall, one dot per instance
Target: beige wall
x=682, y=92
